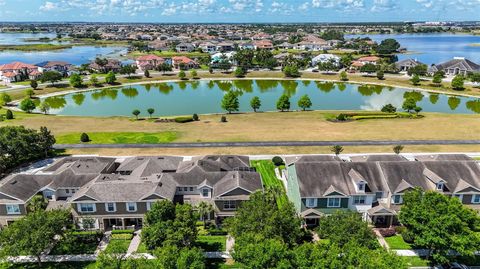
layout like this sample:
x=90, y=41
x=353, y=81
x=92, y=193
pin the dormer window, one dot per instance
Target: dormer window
x=440, y=186
x=361, y=186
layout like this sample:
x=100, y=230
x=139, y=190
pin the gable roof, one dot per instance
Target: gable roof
x=461, y=63
x=377, y=158
x=144, y=166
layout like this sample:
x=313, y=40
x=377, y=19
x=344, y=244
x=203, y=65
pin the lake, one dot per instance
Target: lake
x=203, y=97
x=20, y=38
x=434, y=48
x=76, y=55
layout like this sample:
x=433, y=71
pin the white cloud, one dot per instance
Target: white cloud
x=48, y=6
x=338, y=4
x=383, y=5
x=249, y=5
x=304, y=6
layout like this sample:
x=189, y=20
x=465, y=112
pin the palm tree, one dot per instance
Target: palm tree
x=397, y=149
x=337, y=149
x=204, y=209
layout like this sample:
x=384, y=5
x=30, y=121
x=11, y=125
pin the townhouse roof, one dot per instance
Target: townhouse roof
x=458, y=176
x=144, y=166
x=81, y=165
x=318, y=179
x=378, y=158
x=400, y=176
x=23, y=186
x=248, y=181
x=312, y=158
x=443, y=157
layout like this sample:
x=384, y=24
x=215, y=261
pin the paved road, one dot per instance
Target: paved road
x=273, y=144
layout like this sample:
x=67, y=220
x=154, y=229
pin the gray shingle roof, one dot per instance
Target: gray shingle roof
x=312, y=158
x=146, y=166
x=378, y=158
x=249, y=181
x=443, y=157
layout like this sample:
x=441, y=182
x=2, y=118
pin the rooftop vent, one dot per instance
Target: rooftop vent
x=160, y=158
x=140, y=159
x=13, y=182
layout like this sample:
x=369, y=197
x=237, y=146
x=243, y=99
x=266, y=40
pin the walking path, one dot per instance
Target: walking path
x=230, y=243
x=104, y=242
x=273, y=144
x=381, y=239
x=135, y=243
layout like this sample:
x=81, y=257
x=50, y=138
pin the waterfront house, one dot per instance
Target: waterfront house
x=323, y=58
x=111, y=65
x=183, y=62
x=18, y=71
x=116, y=193
x=63, y=68
x=405, y=65
x=456, y=66
x=149, y=62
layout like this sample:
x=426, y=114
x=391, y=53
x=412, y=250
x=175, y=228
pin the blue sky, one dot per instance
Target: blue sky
x=238, y=10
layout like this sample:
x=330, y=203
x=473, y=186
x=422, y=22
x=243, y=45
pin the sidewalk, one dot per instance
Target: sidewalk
x=132, y=248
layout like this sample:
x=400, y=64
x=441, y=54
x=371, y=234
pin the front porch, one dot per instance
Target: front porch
x=122, y=223
x=382, y=217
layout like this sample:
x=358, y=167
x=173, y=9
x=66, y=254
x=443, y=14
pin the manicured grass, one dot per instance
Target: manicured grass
x=52, y=265
x=120, y=138
x=117, y=246
x=396, y=242
x=415, y=261
x=77, y=243
x=267, y=170
x=212, y=242
x=222, y=264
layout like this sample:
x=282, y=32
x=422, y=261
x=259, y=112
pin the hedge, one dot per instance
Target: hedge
x=122, y=231
x=183, y=119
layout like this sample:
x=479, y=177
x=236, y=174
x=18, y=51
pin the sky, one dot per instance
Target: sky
x=238, y=11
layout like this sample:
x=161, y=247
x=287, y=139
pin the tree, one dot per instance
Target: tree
x=368, y=68
x=169, y=225
x=51, y=76
x=389, y=108
x=204, y=210
x=474, y=77
x=46, y=140
x=255, y=103
x=94, y=80
x=27, y=105
x=343, y=76
x=239, y=72
x=146, y=73
x=33, y=233
x=437, y=80
x=194, y=74
x=164, y=67
x=44, y=107
x=150, y=111
x=388, y=46
x=37, y=203
x=84, y=138
x=291, y=71
x=34, y=84
x=420, y=70
x=171, y=257
x=136, y=112
x=458, y=83
x=257, y=254
x=418, y=109
x=337, y=149
x=128, y=70
x=330, y=65
x=9, y=115
x=110, y=78
x=380, y=75
x=76, y=81
x=195, y=117
x=409, y=104
x=29, y=93
x=283, y=103
x=304, y=102
x=343, y=227
x=230, y=102
x=440, y=223
x=415, y=80
x=182, y=75
x=5, y=99
x=397, y=149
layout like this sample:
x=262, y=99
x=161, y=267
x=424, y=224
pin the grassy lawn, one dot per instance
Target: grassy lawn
x=396, y=242
x=415, y=261
x=51, y=265
x=120, y=138
x=212, y=242
x=77, y=243
x=222, y=264
x=118, y=246
x=266, y=170
x=142, y=248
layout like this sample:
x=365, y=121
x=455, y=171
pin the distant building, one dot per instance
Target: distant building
x=182, y=62
x=185, y=47
x=323, y=58
x=111, y=65
x=263, y=44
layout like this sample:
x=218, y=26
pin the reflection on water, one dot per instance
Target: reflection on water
x=188, y=97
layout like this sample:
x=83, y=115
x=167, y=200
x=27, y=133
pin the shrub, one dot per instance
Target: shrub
x=9, y=115
x=277, y=160
x=84, y=138
x=122, y=231
x=183, y=119
x=1, y=118
x=389, y=108
x=387, y=232
x=341, y=117
x=212, y=230
x=122, y=236
x=400, y=229
x=223, y=119
x=407, y=237
x=195, y=117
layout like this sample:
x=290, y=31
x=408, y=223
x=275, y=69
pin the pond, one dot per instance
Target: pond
x=22, y=38
x=76, y=55
x=434, y=48
x=203, y=97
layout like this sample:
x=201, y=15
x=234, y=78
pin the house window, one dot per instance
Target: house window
x=87, y=208
x=179, y=188
x=361, y=186
x=67, y=191
x=191, y=188
x=397, y=199
x=13, y=209
x=185, y=188
x=440, y=186
x=378, y=195
x=359, y=200
x=311, y=202
x=229, y=205
x=110, y=207
x=149, y=205
x=476, y=199
x=205, y=192
x=333, y=202
x=131, y=207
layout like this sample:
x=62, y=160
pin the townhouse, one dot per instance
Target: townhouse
x=109, y=193
x=375, y=185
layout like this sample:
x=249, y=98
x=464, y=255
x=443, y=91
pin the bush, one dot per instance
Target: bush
x=84, y=138
x=277, y=160
x=123, y=236
x=407, y=237
x=212, y=230
x=400, y=229
x=223, y=119
x=195, y=117
x=387, y=232
x=9, y=115
x=389, y=108
x=183, y=119
x=341, y=117
x=122, y=231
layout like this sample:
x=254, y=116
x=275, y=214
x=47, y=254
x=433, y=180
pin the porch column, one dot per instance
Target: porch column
x=390, y=221
x=123, y=223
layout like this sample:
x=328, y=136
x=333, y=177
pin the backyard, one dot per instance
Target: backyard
x=119, y=241
x=266, y=169
x=397, y=242
x=78, y=243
